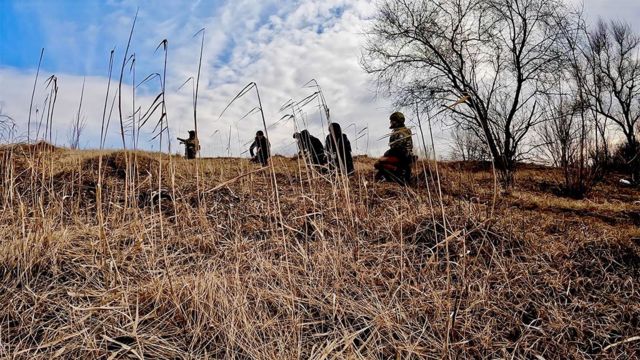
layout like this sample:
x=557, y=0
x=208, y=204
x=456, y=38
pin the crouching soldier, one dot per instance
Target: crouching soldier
x=191, y=145
x=261, y=145
x=339, y=150
x=312, y=149
x=396, y=163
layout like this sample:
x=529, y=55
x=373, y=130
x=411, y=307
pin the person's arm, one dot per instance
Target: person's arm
x=317, y=145
x=327, y=144
x=299, y=145
x=253, y=146
x=394, y=140
x=410, y=141
x=399, y=139
x=347, y=144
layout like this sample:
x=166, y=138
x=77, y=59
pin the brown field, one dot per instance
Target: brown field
x=94, y=266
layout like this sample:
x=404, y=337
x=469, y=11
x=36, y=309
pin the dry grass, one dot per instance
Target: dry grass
x=319, y=271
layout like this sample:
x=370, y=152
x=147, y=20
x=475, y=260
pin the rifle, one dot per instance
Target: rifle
x=182, y=141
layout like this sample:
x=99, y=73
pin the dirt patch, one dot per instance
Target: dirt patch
x=470, y=166
x=115, y=164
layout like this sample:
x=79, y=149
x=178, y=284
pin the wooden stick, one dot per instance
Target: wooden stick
x=234, y=179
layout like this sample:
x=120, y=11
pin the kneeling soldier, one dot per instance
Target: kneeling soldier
x=396, y=163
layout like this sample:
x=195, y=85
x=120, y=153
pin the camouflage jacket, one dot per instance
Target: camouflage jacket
x=401, y=139
x=192, y=143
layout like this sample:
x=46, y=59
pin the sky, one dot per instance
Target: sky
x=278, y=44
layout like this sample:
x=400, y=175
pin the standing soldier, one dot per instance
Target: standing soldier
x=339, y=150
x=191, y=145
x=396, y=163
x=261, y=145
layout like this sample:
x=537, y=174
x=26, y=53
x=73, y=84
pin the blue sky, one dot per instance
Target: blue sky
x=78, y=35
x=279, y=44
x=15, y=26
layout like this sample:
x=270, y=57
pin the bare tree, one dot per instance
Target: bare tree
x=497, y=54
x=566, y=133
x=560, y=133
x=565, y=140
x=77, y=127
x=614, y=91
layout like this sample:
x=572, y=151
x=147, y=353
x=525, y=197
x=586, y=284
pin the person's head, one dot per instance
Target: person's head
x=192, y=134
x=335, y=130
x=296, y=135
x=397, y=120
x=304, y=134
x=259, y=133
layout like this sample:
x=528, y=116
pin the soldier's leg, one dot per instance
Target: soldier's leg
x=406, y=164
x=387, y=169
x=380, y=173
x=407, y=174
x=263, y=159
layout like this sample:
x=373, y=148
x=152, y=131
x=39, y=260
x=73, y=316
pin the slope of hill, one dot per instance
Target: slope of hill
x=142, y=255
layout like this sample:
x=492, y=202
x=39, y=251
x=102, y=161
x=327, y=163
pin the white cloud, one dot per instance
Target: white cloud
x=279, y=46
x=15, y=96
x=625, y=10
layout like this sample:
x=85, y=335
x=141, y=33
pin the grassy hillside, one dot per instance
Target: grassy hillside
x=287, y=264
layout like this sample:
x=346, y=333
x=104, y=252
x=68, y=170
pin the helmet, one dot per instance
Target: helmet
x=192, y=133
x=397, y=119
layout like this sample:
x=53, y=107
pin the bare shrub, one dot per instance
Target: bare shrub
x=467, y=146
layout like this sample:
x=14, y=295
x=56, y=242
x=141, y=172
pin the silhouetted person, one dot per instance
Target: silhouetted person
x=339, y=150
x=312, y=148
x=191, y=145
x=396, y=163
x=261, y=145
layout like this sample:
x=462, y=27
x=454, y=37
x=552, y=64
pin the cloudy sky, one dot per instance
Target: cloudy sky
x=279, y=44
